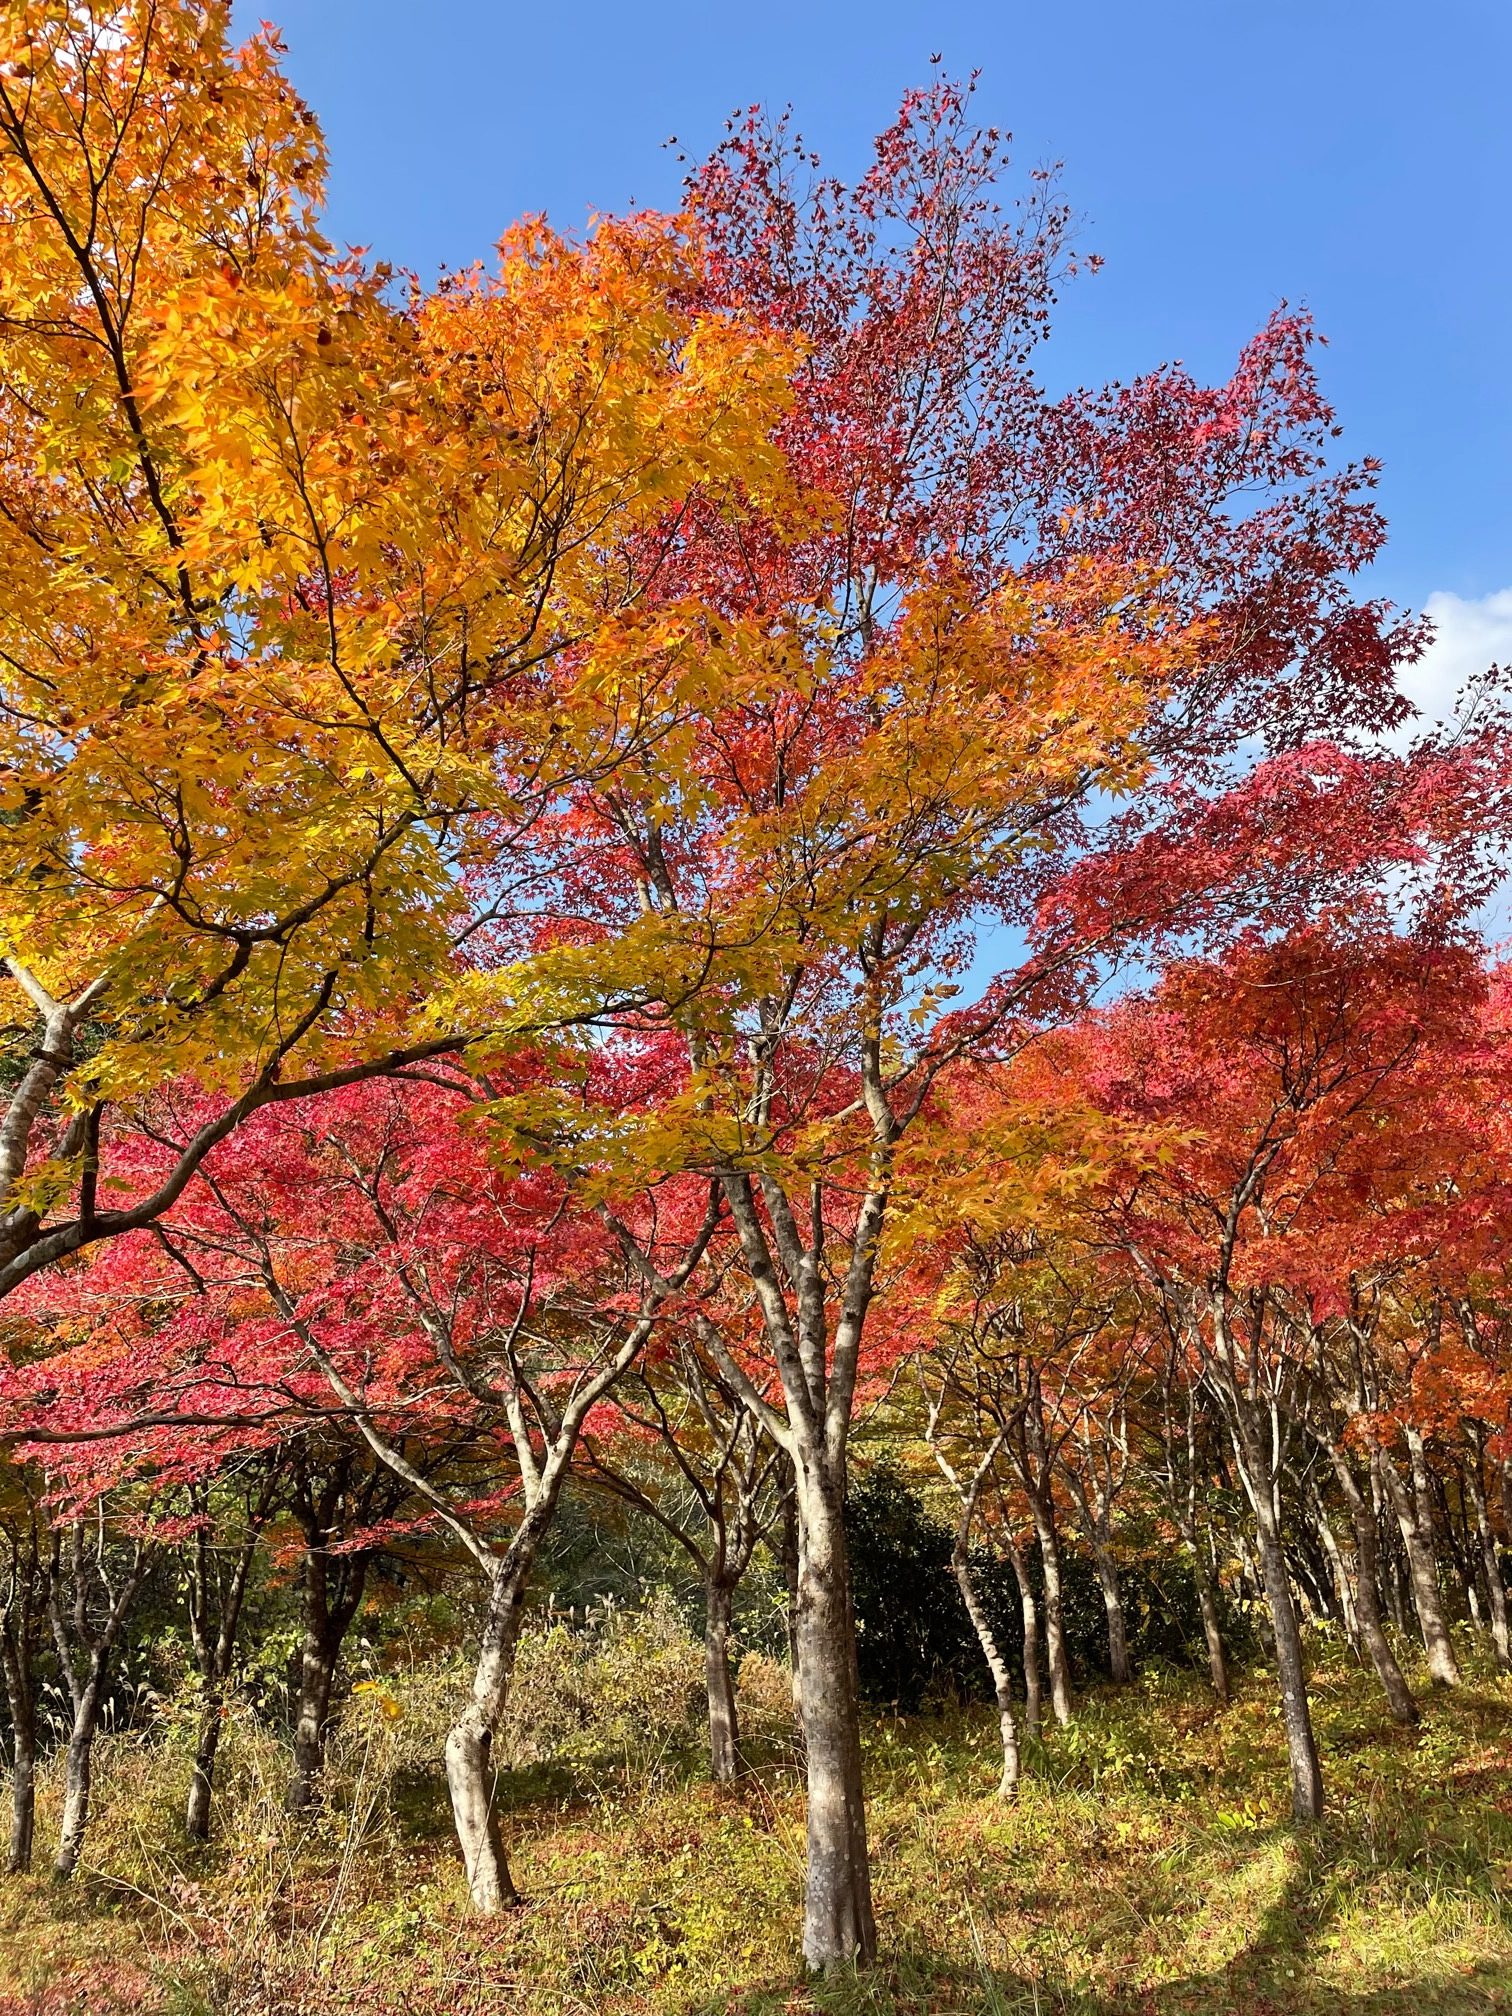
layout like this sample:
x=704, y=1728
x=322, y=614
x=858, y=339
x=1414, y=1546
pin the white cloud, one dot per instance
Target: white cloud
x=1469, y=636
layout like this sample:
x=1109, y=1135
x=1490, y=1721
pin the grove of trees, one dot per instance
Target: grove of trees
x=644, y=870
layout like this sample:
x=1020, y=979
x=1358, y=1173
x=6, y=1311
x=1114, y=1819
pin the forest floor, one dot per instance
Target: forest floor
x=1147, y=1870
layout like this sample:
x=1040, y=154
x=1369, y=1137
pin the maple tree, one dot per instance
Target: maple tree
x=356, y=1266
x=926, y=708
x=1276, y=1072
x=300, y=578
x=618, y=780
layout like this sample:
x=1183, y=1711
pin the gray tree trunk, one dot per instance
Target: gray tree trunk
x=20, y=1695
x=78, y=1776
x=471, y=1776
x=1212, y=1630
x=1367, y=1598
x=1029, y=1609
x=1120, y=1667
x=1002, y=1686
x=1302, y=1750
x=1055, y=1616
x=839, y=1929
x=719, y=1682
x=1422, y=1569
x=1496, y=1589
x=1254, y=1441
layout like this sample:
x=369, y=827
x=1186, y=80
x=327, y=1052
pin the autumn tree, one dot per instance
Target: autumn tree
x=302, y=577
x=1007, y=613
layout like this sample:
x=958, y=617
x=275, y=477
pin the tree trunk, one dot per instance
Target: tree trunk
x=1302, y=1751
x=207, y=1744
x=839, y=1930
x=719, y=1681
x=1346, y=1608
x=1496, y=1589
x=20, y=1695
x=1367, y=1598
x=1443, y=1668
x=23, y=1800
x=328, y=1617
x=1253, y=1446
x=1033, y=1688
x=1002, y=1687
x=78, y=1776
x=1398, y=1694
x=1212, y=1631
x=1120, y=1669
x=317, y=1678
x=1389, y=1555
x=789, y=1556
x=470, y=1770
x=1055, y=1620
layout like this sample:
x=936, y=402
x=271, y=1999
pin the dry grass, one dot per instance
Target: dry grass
x=1146, y=1869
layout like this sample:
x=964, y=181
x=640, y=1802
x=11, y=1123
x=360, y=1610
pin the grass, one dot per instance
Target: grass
x=1147, y=1870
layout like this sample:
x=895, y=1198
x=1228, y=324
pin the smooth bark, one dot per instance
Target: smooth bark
x=1367, y=1600
x=997, y=1666
x=1422, y=1569
x=1120, y=1667
x=1212, y=1629
x=1029, y=1610
x=1055, y=1619
x=838, y=1925
x=1255, y=1440
x=1496, y=1589
x=471, y=1774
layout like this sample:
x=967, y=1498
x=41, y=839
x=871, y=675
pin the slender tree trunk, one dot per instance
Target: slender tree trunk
x=78, y=1775
x=1372, y=1629
x=1120, y=1669
x=1212, y=1630
x=1391, y=1578
x=327, y=1619
x=1253, y=1578
x=1368, y=1608
x=206, y=1748
x=1345, y=1605
x=719, y=1681
x=470, y=1770
x=789, y=1555
x=1253, y=1446
x=838, y=1926
x=1496, y=1589
x=21, y=1699
x=86, y=1676
x=1029, y=1608
x=214, y=1615
x=1055, y=1619
x=1002, y=1687
x=23, y=1828
x=1443, y=1667
x=1302, y=1750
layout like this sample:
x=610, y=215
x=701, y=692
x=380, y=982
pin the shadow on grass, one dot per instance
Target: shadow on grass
x=1273, y=1975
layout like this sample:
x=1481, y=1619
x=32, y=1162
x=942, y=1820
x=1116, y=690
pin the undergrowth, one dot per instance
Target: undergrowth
x=1146, y=1870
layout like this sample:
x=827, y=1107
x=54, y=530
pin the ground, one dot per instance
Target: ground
x=1146, y=1871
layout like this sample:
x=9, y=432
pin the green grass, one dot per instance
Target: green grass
x=1147, y=1870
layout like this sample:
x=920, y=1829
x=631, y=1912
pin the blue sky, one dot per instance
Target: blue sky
x=1355, y=155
